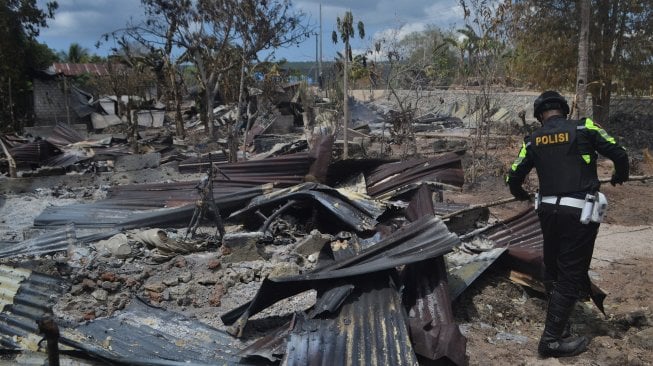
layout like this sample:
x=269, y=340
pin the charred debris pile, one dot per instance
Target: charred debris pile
x=291, y=256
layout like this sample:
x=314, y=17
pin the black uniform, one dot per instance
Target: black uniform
x=564, y=154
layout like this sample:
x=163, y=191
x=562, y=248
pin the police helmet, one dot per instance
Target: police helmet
x=547, y=101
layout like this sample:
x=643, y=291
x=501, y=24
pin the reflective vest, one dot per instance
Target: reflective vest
x=564, y=157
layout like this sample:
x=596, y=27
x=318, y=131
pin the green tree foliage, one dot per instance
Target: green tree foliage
x=430, y=51
x=20, y=54
x=76, y=54
x=545, y=36
x=346, y=31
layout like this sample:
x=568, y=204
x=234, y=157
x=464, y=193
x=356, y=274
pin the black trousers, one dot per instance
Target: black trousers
x=568, y=247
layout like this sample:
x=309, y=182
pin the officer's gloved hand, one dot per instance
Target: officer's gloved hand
x=617, y=179
x=520, y=194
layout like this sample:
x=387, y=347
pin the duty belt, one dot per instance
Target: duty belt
x=564, y=201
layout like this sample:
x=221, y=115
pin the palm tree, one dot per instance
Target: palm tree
x=76, y=54
x=346, y=31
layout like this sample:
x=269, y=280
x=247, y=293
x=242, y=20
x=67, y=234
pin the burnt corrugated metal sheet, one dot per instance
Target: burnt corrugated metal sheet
x=444, y=169
x=286, y=169
x=270, y=348
x=54, y=241
x=180, y=193
x=25, y=297
x=128, y=213
x=201, y=164
x=13, y=140
x=321, y=154
x=101, y=214
x=35, y=152
x=425, y=238
x=522, y=236
x=520, y=231
x=370, y=329
x=146, y=335
x=358, y=213
x=433, y=330
x=63, y=135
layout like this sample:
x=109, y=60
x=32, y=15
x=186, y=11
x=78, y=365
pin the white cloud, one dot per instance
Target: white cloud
x=397, y=34
x=446, y=15
x=68, y=23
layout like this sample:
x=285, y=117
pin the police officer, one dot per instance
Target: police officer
x=564, y=154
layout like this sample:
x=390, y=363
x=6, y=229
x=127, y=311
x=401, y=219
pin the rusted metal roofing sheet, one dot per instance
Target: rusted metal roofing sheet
x=286, y=169
x=71, y=69
x=35, y=152
x=433, y=330
x=25, y=297
x=522, y=236
x=201, y=164
x=435, y=335
x=425, y=238
x=444, y=169
x=321, y=153
x=520, y=231
x=175, y=194
x=370, y=329
x=146, y=335
x=129, y=213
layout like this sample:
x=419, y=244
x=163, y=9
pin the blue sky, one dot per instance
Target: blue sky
x=84, y=22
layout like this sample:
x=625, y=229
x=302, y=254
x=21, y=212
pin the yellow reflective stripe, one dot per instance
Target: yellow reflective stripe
x=587, y=158
x=520, y=157
x=589, y=124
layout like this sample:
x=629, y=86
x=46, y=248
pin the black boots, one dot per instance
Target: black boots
x=552, y=343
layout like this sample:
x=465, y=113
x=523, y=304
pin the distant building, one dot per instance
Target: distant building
x=57, y=99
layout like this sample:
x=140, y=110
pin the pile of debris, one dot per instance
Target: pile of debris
x=368, y=251
x=289, y=256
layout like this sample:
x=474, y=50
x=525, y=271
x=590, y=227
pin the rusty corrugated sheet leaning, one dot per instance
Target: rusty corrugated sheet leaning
x=433, y=330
